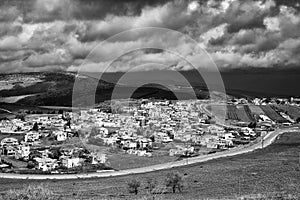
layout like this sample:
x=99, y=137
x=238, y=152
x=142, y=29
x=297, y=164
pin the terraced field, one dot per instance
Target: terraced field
x=249, y=113
x=256, y=110
x=242, y=114
x=292, y=111
x=272, y=114
x=232, y=113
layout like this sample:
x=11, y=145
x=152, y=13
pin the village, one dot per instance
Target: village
x=76, y=142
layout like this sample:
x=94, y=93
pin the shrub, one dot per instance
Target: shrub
x=133, y=186
x=175, y=180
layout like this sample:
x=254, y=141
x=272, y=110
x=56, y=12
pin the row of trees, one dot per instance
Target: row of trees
x=173, y=180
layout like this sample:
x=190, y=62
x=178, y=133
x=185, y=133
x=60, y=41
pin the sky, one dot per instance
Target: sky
x=59, y=35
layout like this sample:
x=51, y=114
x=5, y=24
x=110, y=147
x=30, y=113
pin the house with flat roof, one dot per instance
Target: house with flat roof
x=9, y=141
x=46, y=164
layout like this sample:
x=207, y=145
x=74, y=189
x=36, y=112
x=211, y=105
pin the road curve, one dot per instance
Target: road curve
x=268, y=139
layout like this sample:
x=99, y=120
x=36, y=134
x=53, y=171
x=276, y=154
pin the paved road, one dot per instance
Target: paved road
x=268, y=139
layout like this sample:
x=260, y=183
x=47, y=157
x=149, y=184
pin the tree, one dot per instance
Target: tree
x=35, y=127
x=30, y=164
x=175, y=180
x=68, y=124
x=55, y=154
x=133, y=186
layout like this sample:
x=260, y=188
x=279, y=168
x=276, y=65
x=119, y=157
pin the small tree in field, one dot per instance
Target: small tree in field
x=133, y=186
x=175, y=180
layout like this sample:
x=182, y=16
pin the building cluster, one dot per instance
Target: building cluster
x=140, y=127
x=37, y=142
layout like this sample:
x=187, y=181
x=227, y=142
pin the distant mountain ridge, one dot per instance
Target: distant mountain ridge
x=56, y=88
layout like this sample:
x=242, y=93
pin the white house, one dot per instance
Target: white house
x=99, y=158
x=46, y=163
x=71, y=162
x=31, y=136
x=22, y=152
x=61, y=135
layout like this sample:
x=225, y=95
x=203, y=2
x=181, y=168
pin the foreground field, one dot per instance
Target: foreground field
x=275, y=168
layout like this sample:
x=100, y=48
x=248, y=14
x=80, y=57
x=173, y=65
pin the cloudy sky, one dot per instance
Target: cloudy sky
x=51, y=35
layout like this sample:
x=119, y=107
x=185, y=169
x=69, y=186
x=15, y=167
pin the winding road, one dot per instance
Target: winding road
x=267, y=140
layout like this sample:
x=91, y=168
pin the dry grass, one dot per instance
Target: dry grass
x=32, y=192
x=126, y=161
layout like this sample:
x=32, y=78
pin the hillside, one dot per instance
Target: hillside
x=56, y=89
x=274, y=169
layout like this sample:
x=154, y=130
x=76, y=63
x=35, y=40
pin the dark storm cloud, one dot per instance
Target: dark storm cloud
x=59, y=34
x=171, y=15
x=51, y=10
x=98, y=9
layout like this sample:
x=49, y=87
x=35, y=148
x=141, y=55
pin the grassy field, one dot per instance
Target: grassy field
x=273, y=169
x=126, y=161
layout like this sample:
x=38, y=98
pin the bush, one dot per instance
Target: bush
x=133, y=186
x=175, y=180
x=30, y=193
